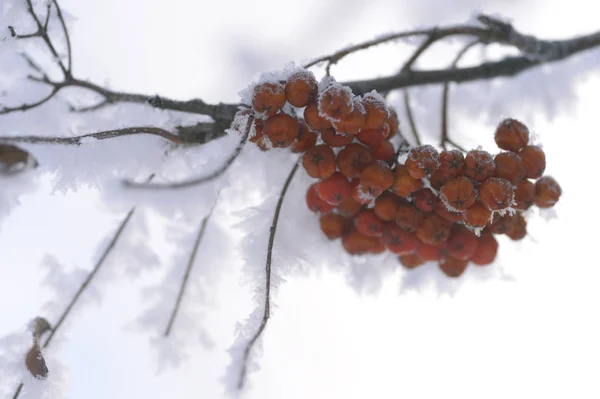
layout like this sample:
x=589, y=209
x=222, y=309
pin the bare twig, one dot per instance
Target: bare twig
x=188, y=270
x=410, y=116
x=267, y=305
x=199, y=180
x=445, y=93
x=66, y=33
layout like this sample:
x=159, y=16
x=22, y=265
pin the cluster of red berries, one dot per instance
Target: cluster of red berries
x=438, y=206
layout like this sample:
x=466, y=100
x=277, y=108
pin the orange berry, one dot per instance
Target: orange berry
x=429, y=252
x=404, y=184
x=422, y=161
x=356, y=243
x=378, y=247
x=319, y=162
x=452, y=163
x=500, y=224
x=301, y=88
x=424, y=200
x=336, y=102
x=352, y=122
x=517, y=227
x=399, y=241
x=408, y=217
x=486, y=249
x=376, y=178
x=442, y=211
x=509, y=167
x=511, y=135
x=315, y=203
x=478, y=215
x=453, y=267
x=434, y=230
x=534, y=161
x=360, y=194
x=393, y=123
x=334, y=139
x=386, y=206
x=305, y=140
x=479, y=165
x=437, y=179
x=496, y=193
x=335, y=189
x=268, y=98
x=376, y=111
x=462, y=243
x=315, y=121
x=372, y=137
x=547, y=192
x=281, y=129
x=332, y=225
x=524, y=195
x=384, y=152
x=458, y=194
x=348, y=208
x=368, y=223
x=411, y=261
x=352, y=159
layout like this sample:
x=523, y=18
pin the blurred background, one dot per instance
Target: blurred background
x=527, y=328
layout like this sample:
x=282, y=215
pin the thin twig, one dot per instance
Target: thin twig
x=441, y=32
x=410, y=116
x=90, y=276
x=188, y=270
x=103, y=135
x=445, y=94
x=267, y=311
x=66, y=33
x=199, y=180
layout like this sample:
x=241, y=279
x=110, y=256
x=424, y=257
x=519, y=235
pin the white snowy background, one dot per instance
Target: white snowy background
x=524, y=327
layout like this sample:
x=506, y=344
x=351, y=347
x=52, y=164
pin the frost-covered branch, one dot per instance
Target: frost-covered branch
x=199, y=180
x=267, y=304
x=188, y=269
x=510, y=66
x=445, y=138
x=81, y=289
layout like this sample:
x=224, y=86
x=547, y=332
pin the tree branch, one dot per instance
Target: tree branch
x=410, y=116
x=267, y=311
x=510, y=66
x=188, y=270
x=445, y=138
x=84, y=285
x=199, y=180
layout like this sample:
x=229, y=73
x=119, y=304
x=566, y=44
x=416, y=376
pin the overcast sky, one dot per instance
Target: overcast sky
x=526, y=330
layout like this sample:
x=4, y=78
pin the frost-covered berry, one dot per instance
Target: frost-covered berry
x=268, y=98
x=319, y=162
x=453, y=267
x=524, y=195
x=411, y=261
x=458, y=194
x=281, y=129
x=422, y=161
x=511, y=135
x=452, y=163
x=335, y=102
x=376, y=178
x=434, y=230
x=486, y=249
x=335, y=189
x=301, y=88
x=315, y=121
x=399, y=241
x=352, y=159
x=496, y=193
x=315, y=203
x=368, y=223
x=332, y=225
x=479, y=165
x=534, y=161
x=404, y=184
x=547, y=192
x=462, y=243
x=510, y=167
x=478, y=215
x=335, y=139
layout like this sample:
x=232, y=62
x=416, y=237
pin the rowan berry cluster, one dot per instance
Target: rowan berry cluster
x=437, y=206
